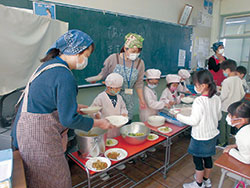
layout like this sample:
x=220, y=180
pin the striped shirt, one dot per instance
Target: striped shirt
x=206, y=112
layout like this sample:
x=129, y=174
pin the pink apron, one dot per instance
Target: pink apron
x=41, y=147
x=218, y=76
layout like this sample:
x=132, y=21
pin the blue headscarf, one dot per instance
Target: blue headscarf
x=216, y=45
x=73, y=42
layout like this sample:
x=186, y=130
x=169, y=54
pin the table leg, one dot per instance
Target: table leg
x=223, y=173
x=167, y=156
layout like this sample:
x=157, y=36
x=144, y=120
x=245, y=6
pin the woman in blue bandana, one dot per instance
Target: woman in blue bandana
x=48, y=108
x=215, y=61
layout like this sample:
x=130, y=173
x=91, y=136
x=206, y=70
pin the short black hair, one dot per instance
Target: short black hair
x=240, y=109
x=229, y=64
x=241, y=70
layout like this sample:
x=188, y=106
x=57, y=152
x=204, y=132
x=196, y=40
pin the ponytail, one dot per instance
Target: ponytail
x=205, y=77
x=212, y=89
x=52, y=54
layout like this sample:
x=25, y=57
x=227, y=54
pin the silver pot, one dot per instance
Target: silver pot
x=92, y=143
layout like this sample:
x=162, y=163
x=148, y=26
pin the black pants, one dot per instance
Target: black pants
x=201, y=162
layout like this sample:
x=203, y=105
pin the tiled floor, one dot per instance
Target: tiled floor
x=181, y=173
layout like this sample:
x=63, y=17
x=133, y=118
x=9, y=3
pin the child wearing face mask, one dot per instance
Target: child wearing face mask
x=112, y=104
x=239, y=117
x=231, y=91
x=152, y=78
x=185, y=75
x=169, y=95
x=206, y=112
x=241, y=72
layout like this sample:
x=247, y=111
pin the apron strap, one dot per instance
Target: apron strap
x=20, y=98
x=117, y=59
x=33, y=77
x=138, y=64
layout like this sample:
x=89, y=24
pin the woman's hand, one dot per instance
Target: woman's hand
x=143, y=104
x=125, y=115
x=79, y=107
x=103, y=124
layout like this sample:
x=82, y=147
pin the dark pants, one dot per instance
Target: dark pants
x=224, y=130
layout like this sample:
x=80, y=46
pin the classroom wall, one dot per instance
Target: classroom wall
x=234, y=6
x=164, y=10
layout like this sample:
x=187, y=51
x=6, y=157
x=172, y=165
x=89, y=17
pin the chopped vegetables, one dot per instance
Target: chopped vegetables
x=136, y=134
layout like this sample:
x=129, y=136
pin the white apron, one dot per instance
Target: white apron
x=168, y=96
x=153, y=104
x=40, y=144
x=108, y=109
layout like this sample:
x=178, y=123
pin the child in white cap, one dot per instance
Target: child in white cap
x=184, y=74
x=170, y=95
x=112, y=104
x=150, y=95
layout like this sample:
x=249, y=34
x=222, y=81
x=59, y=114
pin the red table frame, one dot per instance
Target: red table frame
x=134, y=151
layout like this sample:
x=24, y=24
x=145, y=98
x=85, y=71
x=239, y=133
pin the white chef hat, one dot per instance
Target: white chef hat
x=114, y=80
x=172, y=78
x=184, y=73
x=153, y=74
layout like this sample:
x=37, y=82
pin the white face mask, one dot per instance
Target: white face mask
x=221, y=51
x=133, y=56
x=82, y=65
x=229, y=121
x=152, y=86
x=195, y=89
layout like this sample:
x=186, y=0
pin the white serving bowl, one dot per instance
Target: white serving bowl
x=156, y=121
x=91, y=109
x=187, y=100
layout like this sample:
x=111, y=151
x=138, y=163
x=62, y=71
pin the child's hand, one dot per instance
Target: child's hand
x=167, y=105
x=125, y=115
x=171, y=103
x=182, y=95
x=97, y=116
x=228, y=148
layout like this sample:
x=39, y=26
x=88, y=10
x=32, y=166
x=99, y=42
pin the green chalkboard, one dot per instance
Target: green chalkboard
x=161, y=45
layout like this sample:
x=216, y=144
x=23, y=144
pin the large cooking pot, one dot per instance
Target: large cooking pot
x=92, y=143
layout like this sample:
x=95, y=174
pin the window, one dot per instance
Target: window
x=235, y=34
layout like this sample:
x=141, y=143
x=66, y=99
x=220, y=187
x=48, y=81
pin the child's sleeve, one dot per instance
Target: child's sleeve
x=154, y=104
x=236, y=154
x=164, y=97
x=242, y=92
x=97, y=102
x=224, y=91
x=195, y=117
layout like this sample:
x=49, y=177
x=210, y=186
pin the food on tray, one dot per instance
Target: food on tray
x=98, y=165
x=113, y=155
x=110, y=142
x=151, y=136
x=136, y=134
x=164, y=129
